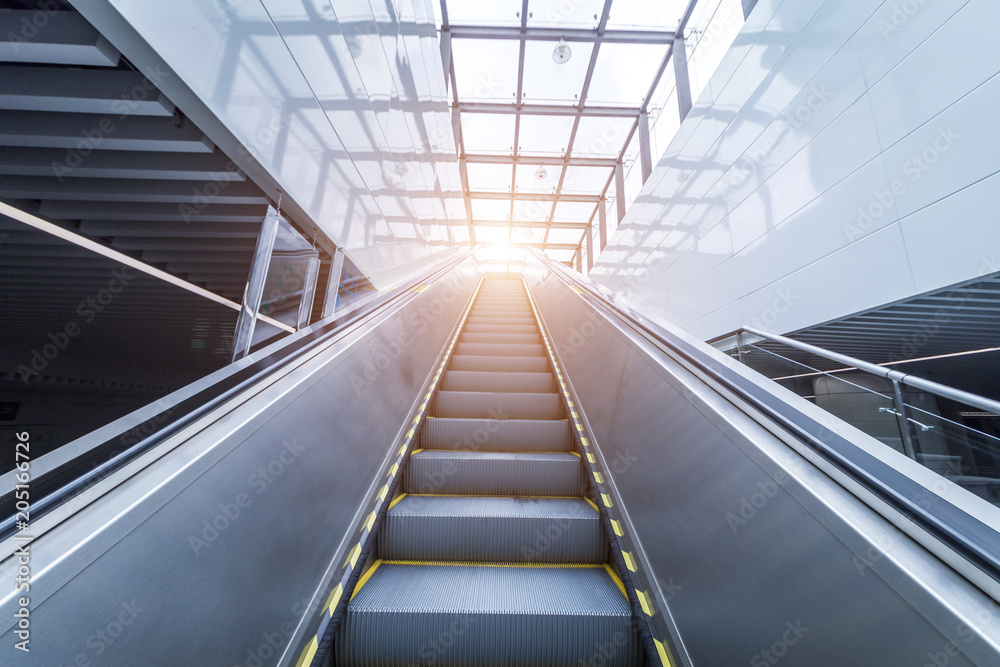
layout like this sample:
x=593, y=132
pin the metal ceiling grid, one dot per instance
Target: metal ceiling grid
x=574, y=109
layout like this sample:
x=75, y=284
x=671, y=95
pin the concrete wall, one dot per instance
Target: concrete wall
x=844, y=155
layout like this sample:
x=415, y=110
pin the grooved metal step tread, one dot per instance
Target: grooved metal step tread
x=437, y=471
x=513, y=435
x=498, y=382
x=502, y=337
x=492, y=405
x=492, y=529
x=479, y=319
x=501, y=313
x=470, y=362
x=500, y=328
x=517, y=616
x=500, y=349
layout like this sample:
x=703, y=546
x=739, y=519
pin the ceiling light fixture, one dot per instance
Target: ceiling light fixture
x=540, y=173
x=562, y=52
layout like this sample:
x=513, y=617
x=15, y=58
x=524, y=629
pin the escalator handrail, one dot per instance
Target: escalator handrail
x=963, y=533
x=65, y=481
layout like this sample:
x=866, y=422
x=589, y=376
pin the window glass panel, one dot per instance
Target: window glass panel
x=601, y=137
x=565, y=236
x=491, y=234
x=571, y=211
x=487, y=133
x=490, y=209
x=548, y=81
x=544, y=134
x=527, y=180
x=485, y=69
x=532, y=210
x=556, y=13
x=648, y=14
x=711, y=32
x=624, y=73
x=586, y=180
x=528, y=234
x=494, y=12
x=489, y=177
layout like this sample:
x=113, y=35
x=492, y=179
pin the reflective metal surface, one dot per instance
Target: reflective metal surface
x=753, y=552
x=216, y=552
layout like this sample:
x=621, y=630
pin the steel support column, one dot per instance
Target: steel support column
x=602, y=223
x=588, y=240
x=254, y=290
x=681, y=77
x=308, y=293
x=579, y=259
x=645, y=146
x=446, y=56
x=333, y=283
x=620, y=190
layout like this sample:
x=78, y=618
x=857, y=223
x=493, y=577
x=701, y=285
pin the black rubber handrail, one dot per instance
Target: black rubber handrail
x=966, y=535
x=64, y=482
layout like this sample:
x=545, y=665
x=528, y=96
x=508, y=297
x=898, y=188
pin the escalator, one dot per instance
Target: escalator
x=492, y=553
x=471, y=471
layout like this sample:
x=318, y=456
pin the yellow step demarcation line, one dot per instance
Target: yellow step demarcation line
x=456, y=563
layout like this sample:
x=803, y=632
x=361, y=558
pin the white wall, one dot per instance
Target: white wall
x=845, y=154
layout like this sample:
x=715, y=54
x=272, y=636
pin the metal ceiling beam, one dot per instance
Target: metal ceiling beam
x=80, y=134
x=528, y=196
x=549, y=109
x=30, y=161
x=64, y=38
x=120, y=190
x=555, y=34
x=90, y=210
x=64, y=89
x=531, y=244
x=479, y=158
x=527, y=223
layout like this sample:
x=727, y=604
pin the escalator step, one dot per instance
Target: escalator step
x=510, y=435
x=501, y=328
x=488, y=615
x=491, y=321
x=498, y=382
x=437, y=471
x=479, y=404
x=501, y=337
x=500, y=349
x=470, y=362
x=491, y=529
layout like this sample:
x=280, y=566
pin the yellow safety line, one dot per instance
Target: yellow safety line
x=664, y=658
x=629, y=560
x=617, y=527
x=397, y=499
x=614, y=578
x=473, y=495
x=592, y=504
x=331, y=602
x=365, y=577
x=644, y=602
x=308, y=653
x=453, y=563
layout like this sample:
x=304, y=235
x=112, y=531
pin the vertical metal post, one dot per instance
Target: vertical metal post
x=748, y=6
x=620, y=190
x=254, y=290
x=446, y=56
x=645, y=146
x=579, y=260
x=588, y=239
x=739, y=346
x=602, y=221
x=902, y=420
x=681, y=77
x=333, y=283
x=308, y=293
